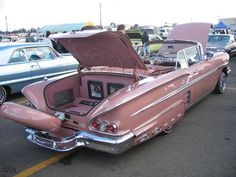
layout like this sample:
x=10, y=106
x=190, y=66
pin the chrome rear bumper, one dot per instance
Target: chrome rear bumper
x=114, y=145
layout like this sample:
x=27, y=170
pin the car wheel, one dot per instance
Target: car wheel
x=168, y=130
x=3, y=95
x=221, y=84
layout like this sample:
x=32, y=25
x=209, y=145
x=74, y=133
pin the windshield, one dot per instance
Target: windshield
x=219, y=39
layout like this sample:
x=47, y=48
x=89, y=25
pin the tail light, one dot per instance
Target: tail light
x=112, y=128
x=95, y=125
x=104, y=126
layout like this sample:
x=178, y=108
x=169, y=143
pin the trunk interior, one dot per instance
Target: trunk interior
x=79, y=94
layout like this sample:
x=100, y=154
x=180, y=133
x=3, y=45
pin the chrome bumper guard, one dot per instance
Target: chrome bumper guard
x=114, y=145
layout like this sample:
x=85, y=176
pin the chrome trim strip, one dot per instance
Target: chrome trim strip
x=114, y=145
x=126, y=99
x=35, y=77
x=175, y=92
x=107, y=133
x=16, y=81
x=158, y=115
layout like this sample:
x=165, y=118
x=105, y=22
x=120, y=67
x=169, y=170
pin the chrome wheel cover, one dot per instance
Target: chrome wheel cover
x=222, y=83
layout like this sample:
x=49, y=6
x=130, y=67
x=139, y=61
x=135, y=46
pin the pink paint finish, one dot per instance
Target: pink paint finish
x=151, y=99
x=102, y=49
x=30, y=117
x=193, y=32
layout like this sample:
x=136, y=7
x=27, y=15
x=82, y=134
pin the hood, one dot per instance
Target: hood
x=193, y=32
x=107, y=48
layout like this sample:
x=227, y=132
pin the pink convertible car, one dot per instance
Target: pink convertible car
x=116, y=101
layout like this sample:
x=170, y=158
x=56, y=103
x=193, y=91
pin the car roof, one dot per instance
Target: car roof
x=11, y=45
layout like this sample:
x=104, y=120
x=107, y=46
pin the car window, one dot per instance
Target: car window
x=18, y=56
x=181, y=59
x=192, y=54
x=189, y=56
x=39, y=53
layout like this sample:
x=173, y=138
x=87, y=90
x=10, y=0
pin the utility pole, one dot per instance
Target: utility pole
x=6, y=23
x=100, y=8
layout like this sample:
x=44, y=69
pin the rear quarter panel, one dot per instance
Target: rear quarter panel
x=146, y=104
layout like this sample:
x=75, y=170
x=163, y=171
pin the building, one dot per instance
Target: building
x=69, y=27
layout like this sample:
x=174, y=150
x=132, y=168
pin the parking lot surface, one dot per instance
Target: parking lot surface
x=202, y=144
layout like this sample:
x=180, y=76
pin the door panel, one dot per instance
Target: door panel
x=45, y=62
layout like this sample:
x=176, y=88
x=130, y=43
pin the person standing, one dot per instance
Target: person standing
x=47, y=40
x=145, y=40
x=121, y=28
x=29, y=38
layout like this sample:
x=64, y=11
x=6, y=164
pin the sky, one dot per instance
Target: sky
x=37, y=13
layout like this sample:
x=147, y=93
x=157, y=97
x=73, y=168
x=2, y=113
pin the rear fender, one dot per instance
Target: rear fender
x=160, y=122
x=30, y=117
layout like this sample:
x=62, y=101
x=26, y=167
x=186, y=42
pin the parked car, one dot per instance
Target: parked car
x=9, y=39
x=135, y=36
x=152, y=33
x=153, y=46
x=117, y=101
x=222, y=43
x=25, y=63
x=165, y=31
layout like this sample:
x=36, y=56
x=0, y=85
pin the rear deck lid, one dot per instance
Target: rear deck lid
x=96, y=48
x=193, y=32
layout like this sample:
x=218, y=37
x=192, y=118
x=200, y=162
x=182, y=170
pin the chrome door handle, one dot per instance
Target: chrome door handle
x=32, y=66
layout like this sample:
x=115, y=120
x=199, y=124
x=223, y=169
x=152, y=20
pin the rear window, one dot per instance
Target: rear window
x=38, y=53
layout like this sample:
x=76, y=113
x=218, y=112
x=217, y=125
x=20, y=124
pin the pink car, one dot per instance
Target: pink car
x=116, y=101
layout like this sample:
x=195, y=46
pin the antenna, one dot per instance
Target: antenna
x=45, y=77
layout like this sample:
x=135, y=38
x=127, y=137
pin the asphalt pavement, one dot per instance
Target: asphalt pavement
x=202, y=144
